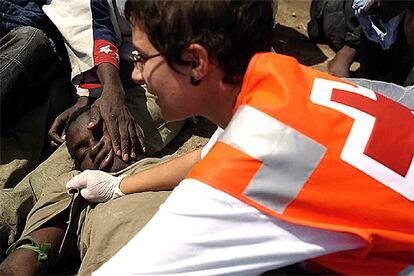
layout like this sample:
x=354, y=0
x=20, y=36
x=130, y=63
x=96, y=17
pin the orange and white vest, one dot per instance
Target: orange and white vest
x=315, y=150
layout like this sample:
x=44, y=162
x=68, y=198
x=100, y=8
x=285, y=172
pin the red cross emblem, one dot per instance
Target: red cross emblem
x=381, y=140
x=392, y=139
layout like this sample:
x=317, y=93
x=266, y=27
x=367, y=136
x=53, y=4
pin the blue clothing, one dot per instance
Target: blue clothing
x=101, y=22
x=384, y=33
x=27, y=65
x=29, y=13
x=21, y=13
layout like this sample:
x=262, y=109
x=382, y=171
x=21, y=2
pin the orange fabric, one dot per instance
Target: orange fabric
x=337, y=196
x=239, y=168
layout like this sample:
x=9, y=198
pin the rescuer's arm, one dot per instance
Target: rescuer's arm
x=98, y=186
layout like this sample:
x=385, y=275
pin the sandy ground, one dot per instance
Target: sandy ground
x=290, y=38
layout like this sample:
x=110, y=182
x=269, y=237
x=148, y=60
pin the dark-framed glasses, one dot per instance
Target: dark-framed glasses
x=139, y=61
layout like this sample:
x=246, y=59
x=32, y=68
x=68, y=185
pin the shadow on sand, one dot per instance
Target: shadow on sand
x=289, y=41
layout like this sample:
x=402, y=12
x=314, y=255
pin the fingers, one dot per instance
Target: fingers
x=90, y=196
x=95, y=116
x=120, y=125
x=125, y=140
x=134, y=140
x=101, y=153
x=57, y=127
x=119, y=132
x=94, y=185
x=59, y=123
x=107, y=159
x=113, y=131
x=137, y=140
x=104, y=159
x=77, y=182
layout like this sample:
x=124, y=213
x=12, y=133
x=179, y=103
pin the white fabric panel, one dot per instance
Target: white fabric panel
x=359, y=136
x=203, y=231
x=73, y=18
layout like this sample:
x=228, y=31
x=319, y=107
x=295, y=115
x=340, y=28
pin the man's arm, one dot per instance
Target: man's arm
x=56, y=131
x=98, y=186
x=84, y=24
x=126, y=136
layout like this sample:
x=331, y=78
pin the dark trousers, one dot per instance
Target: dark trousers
x=334, y=22
x=27, y=64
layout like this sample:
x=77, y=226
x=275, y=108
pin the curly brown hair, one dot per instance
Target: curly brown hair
x=231, y=31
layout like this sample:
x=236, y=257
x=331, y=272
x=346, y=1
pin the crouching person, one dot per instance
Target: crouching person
x=304, y=167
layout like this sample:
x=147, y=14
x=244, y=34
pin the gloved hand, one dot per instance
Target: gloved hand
x=96, y=186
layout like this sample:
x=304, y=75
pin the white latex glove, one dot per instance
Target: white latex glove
x=96, y=186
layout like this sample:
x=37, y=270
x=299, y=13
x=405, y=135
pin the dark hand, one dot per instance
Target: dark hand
x=56, y=131
x=127, y=137
x=102, y=153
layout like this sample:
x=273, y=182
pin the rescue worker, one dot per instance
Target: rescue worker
x=303, y=167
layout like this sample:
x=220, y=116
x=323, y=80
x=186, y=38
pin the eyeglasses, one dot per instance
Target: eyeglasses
x=139, y=61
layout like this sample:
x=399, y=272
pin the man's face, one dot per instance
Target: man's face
x=83, y=145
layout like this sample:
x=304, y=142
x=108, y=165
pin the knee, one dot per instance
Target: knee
x=28, y=39
x=29, y=49
x=27, y=32
x=36, y=38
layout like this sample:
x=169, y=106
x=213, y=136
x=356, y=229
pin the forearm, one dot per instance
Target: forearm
x=126, y=135
x=163, y=177
x=109, y=78
x=99, y=186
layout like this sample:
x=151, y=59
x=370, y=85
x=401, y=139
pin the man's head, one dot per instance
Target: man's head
x=85, y=145
x=231, y=31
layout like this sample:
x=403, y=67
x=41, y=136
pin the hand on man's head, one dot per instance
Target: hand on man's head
x=92, y=148
x=56, y=131
x=126, y=136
